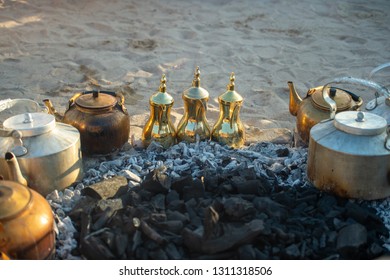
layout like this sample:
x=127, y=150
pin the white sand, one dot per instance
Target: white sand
x=52, y=49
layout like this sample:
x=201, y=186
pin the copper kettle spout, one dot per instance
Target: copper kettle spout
x=14, y=169
x=295, y=99
x=51, y=110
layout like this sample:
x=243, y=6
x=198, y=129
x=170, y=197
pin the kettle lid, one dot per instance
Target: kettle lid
x=359, y=123
x=231, y=95
x=31, y=124
x=161, y=97
x=343, y=100
x=14, y=198
x=96, y=100
x=196, y=91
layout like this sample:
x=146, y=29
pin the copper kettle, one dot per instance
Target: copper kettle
x=312, y=108
x=101, y=118
x=159, y=126
x=193, y=125
x=229, y=129
x=26, y=219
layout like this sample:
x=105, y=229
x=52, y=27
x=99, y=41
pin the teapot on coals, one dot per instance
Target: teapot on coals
x=101, y=118
x=312, y=108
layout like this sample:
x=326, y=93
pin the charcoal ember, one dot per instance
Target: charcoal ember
x=210, y=223
x=190, y=206
x=248, y=173
x=158, y=217
x=156, y=182
x=152, y=233
x=351, y=239
x=180, y=183
x=282, y=152
x=326, y=203
x=128, y=174
x=121, y=243
x=292, y=252
x=158, y=202
x=102, y=218
x=158, y=254
x=85, y=204
x=232, y=236
x=172, y=196
x=195, y=190
x=178, y=205
x=271, y=208
x=109, y=188
x=170, y=226
x=172, y=252
x=238, y=209
x=93, y=248
x=246, y=252
x=177, y=216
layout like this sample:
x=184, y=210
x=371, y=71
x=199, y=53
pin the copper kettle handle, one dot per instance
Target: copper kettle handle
x=351, y=80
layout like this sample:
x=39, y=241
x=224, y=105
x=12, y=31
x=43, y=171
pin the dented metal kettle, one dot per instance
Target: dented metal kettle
x=193, y=125
x=312, y=108
x=159, y=126
x=101, y=118
x=47, y=152
x=349, y=153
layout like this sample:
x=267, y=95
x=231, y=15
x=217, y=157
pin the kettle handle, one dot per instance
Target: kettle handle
x=378, y=68
x=351, y=80
x=19, y=149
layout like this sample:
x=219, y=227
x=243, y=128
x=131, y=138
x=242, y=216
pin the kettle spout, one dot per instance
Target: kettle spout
x=51, y=110
x=295, y=99
x=14, y=169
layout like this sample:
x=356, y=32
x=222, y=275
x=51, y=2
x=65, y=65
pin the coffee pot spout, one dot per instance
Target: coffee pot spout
x=295, y=99
x=14, y=169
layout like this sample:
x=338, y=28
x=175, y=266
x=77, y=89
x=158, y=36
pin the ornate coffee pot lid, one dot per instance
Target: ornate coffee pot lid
x=231, y=95
x=14, y=198
x=196, y=91
x=161, y=97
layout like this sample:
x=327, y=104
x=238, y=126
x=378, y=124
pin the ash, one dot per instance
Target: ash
x=224, y=173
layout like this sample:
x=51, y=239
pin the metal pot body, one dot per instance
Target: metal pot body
x=53, y=161
x=351, y=166
x=29, y=233
x=103, y=129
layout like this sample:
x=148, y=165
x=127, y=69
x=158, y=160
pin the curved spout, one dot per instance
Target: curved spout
x=51, y=110
x=295, y=99
x=14, y=169
x=325, y=93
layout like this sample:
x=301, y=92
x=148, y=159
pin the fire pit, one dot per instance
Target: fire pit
x=206, y=201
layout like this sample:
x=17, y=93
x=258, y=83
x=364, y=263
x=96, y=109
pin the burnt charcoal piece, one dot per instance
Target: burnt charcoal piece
x=292, y=252
x=152, y=234
x=195, y=190
x=172, y=252
x=210, y=223
x=238, y=209
x=110, y=188
x=179, y=184
x=172, y=196
x=246, y=252
x=351, y=240
x=95, y=249
x=158, y=202
x=103, y=218
x=156, y=182
x=271, y=208
x=177, y=216
x=282, y=152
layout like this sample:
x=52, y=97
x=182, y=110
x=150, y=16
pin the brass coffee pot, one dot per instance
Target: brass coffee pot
x=26, y=219
x=312, y=108
x=229, y=129
x=193, y=125
x=159, y=127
